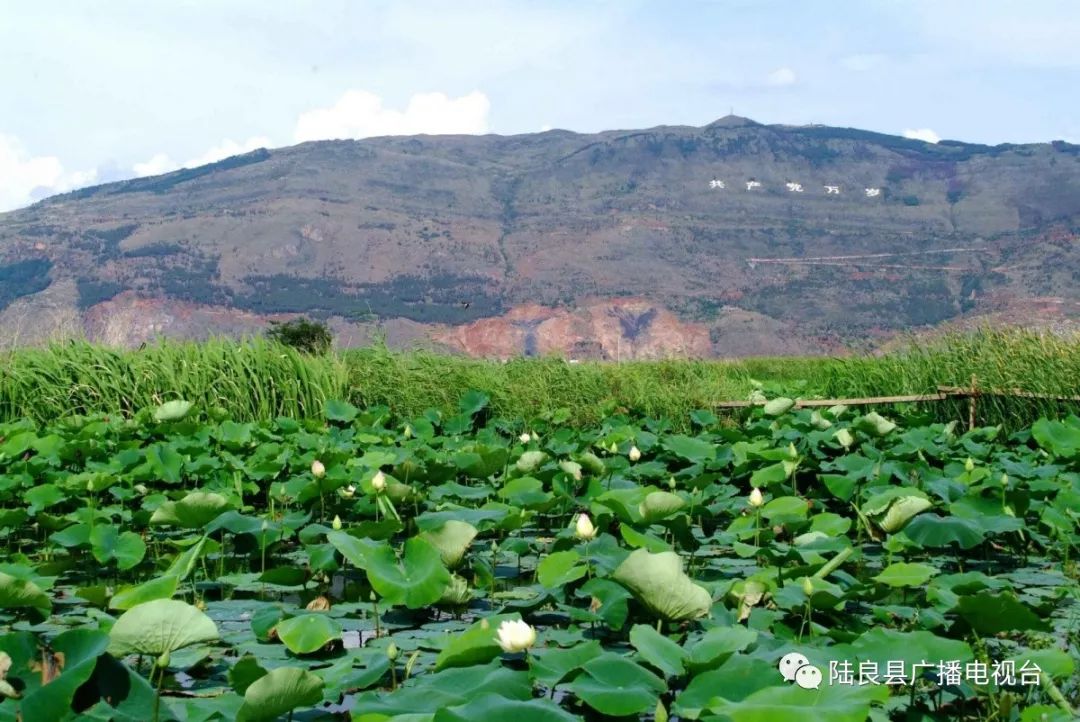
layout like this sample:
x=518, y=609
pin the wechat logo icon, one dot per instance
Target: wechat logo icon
x=796, y=668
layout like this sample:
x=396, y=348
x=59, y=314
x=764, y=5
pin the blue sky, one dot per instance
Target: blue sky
x=98, y=90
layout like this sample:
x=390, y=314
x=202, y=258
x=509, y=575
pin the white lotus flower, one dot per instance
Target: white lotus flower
x=378, y=482
x=515, y=636
x=756, y=498
x=524, y=438
x=584, y=528
x=635, y=453
x=317, y=469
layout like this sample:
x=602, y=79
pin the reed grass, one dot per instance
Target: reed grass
x=250, y=380
x=255, y=379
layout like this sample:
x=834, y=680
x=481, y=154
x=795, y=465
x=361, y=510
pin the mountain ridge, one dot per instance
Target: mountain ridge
x=436, y=234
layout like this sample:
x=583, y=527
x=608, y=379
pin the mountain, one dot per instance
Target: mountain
x=730, y=239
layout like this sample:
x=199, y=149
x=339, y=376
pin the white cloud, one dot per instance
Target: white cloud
x=228, y=148
x=162, y=163
x=360, y=114
x=357, y=114
x=781, y=77
x=921, y=134
x=28, y=178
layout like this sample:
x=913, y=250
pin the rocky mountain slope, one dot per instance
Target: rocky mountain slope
x=735, y=238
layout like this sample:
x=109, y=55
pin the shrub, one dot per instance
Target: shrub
x=302, y=334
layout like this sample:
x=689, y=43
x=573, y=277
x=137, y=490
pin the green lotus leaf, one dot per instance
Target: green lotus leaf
x=194, y=511
x=904, y=574
x=452, y=540
x=592, y=463
x=341, y=411
x=162, y=587
x=416, y=580
x=827, y=703
x=79, y=649
x=160, y=627
x=778, y=406
x=659, y=583
x=530, y=460
x=279, y=692
x=659, y=505
x=613, y=685
x=875, y=423
x=21, y=593
x=172, y=410
x=496, y=707
x=935, y=532
x=308, y=633
x=690, y=448
x=558, y=569
x=656, y=649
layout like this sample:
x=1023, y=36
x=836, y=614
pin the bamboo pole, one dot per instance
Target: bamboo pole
x=943, y=393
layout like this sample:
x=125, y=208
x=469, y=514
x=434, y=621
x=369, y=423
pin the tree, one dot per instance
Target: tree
x=302, y=334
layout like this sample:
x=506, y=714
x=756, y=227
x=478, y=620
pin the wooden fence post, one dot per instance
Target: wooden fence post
x=971, y=402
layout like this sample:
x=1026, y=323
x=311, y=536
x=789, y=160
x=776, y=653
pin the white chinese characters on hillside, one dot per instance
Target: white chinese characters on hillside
x=794, y=187
x=832, y=190
x=752, y=184
x=872, y=192
x=714, y=183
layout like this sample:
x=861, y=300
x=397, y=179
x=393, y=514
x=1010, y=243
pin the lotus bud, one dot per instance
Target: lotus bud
x=163, y=660
x=1004, y=479
x=90, y=485
x=485, y=624
x=524, y=438
x=141, y=489
x=969, y=465
x=756, y=498
x=671, y=482
x=378, y=482
x=844, y=437
x=791, y=451
x=584, y=528
x=614, y=448
x=372, y=597
x=807, y=586
x=535, y=436
x=635, y=453
x=515, y=636
x=336, y=524
x=265, y=525
x=408, y=432
x=392, y=652
x=317, y=469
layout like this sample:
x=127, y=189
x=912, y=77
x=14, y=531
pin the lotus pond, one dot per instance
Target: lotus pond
x=787, y=565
